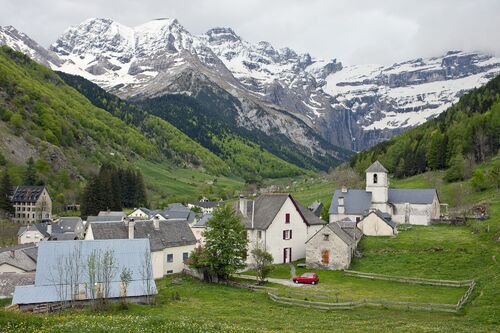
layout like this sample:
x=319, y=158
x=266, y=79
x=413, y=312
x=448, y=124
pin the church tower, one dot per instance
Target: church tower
x=377, y=182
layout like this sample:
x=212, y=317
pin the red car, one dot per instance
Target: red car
x=311, y=278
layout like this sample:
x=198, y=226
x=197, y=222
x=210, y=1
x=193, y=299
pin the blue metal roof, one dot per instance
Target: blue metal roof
x=49, y=280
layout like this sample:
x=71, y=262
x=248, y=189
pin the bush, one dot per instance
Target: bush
x=479, y=181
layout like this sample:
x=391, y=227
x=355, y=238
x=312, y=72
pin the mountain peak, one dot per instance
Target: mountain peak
x=222, y=34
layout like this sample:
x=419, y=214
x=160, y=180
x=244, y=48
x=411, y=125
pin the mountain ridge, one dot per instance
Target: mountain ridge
x=353, y=107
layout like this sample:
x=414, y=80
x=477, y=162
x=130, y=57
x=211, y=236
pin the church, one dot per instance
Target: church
x=392, y=206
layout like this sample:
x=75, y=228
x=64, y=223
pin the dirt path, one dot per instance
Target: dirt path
x=284, y=282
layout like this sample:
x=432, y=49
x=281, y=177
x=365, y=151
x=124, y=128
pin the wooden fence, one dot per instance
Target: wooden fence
x=351, y=304
x=404, y=279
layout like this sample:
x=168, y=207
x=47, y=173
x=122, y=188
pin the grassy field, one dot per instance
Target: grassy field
x=167, y=184
x=452, y=252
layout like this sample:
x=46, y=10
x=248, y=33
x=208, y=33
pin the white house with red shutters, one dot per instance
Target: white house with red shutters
x=279, y=224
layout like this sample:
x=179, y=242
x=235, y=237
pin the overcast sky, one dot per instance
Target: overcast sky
x=364, y=31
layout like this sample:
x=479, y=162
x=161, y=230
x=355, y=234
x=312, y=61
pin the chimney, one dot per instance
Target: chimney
x=125, y=220
x=156, y=222
x=131, y=225
x=243, y=205
x=344, y=189
x=253, y=212
x=49, y=228
x=341, y=208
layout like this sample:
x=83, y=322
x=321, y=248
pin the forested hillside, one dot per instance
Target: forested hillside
x=210, y=120
x=68, y=137
x=466, y=134
x=243, y=157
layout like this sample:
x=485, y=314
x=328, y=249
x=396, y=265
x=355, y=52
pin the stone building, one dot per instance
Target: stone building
x=32, y=204
x=333, y=246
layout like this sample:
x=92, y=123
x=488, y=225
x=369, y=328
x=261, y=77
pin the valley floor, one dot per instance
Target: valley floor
x=445, y=252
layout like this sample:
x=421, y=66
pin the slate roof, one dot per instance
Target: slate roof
x=356, y=202
x=17, y=257
x=70, y=224
x=413, y=196
x=387, y=218
x=376, y=167
x=316, y=207
x=347, y=232
x=202, y=222
x=107, y=218
x=26, y=193
x=64, y=236
x=47, y=287
x=112, y=213
x=40, y=227
x=267, y=207
x=178, y=215
x=170, y=233
x=208, y=204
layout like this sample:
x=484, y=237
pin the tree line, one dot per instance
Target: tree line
x=112, y=189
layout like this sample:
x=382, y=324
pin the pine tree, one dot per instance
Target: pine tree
x=90, y=199
x=457, y=168
x=140, y=191
x=5, y=189
x=30, y=177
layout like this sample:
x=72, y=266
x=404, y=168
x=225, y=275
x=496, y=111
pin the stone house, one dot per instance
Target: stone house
x=333, y=246
x=32, y=204
x=411, y=206
x=18, y=258
x=279, y=224
x=171, y=241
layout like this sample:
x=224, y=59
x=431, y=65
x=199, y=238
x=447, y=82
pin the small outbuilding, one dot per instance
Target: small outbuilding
x=376, y=223
x=333, y=246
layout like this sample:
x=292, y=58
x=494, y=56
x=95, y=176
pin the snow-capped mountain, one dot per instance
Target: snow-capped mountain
x=386, y=100
x=276, y=90
x=22, y=43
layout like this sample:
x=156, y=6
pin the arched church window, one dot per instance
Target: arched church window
x=375, y=178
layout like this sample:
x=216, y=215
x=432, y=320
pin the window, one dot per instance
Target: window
x=170, y=258
x=259, y=234
x=326, y=237
x=170, y=271
x=287, y=218
x=375, y=179
x=287, y=234
x=185, y=256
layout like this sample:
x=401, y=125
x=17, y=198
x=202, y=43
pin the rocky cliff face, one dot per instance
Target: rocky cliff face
x=384, y=101
x=316, y=104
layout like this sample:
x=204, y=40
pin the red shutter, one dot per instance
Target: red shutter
x=284, y=234
x=290, y=234
x=287, y=218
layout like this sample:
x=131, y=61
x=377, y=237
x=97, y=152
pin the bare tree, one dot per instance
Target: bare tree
x=125, y=279
x=147, y=276
x=66, y=275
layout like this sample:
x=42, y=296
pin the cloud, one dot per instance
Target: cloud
x=362, y=31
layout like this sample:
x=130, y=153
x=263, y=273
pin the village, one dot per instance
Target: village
x=116, y=255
